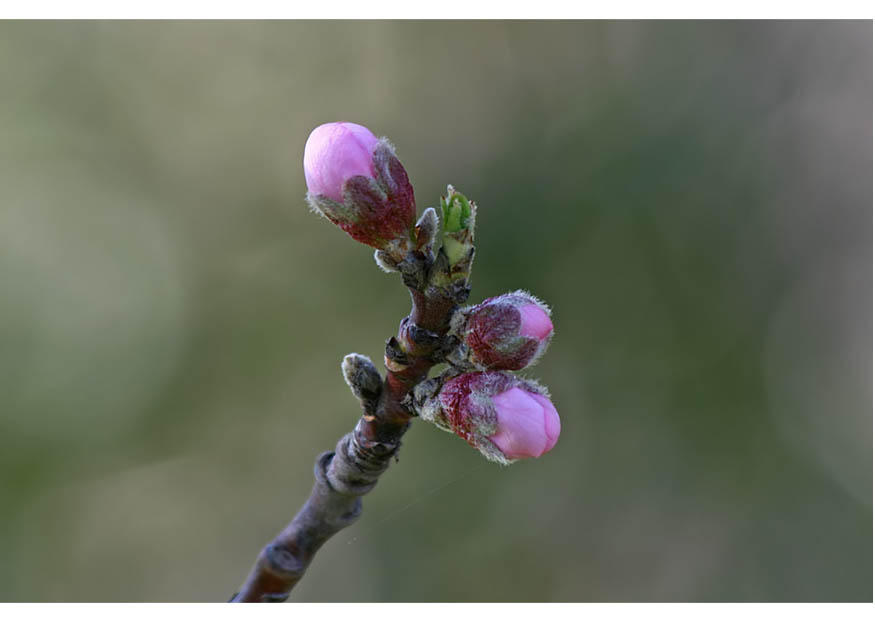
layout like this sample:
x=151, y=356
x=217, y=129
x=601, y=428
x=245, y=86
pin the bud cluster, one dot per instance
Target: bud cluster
x=505, y=417
x=355, y=180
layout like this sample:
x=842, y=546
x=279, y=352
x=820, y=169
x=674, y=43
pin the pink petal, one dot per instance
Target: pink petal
x=534, y=322
x=335, y=152
x=552, y=424
x=521, y=429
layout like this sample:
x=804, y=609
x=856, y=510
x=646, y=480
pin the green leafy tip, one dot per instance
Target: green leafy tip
x=456, y=211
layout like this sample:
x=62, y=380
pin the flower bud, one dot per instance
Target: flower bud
x=355, y=180
x=506, y=418
x=509, y=332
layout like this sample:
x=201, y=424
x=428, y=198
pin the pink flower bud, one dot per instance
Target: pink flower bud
x=509, y=332
x=503, y=416
x=355, y=180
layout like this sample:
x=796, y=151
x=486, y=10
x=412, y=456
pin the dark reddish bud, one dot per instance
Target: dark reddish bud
x=509, y=332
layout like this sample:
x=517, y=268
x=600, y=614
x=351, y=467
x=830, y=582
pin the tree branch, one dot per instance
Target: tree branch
x=361, y=456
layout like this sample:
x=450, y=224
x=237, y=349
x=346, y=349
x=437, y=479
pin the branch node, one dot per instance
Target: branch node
x=283, y=562
x=414, y=270
x=395, y=358
x=275, y=597
x=420, y=336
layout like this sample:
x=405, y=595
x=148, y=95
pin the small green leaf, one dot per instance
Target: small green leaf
x=456, y=212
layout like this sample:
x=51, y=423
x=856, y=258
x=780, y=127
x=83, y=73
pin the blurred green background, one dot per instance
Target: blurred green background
x=693, y=198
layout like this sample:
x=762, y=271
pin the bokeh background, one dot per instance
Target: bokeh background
x=693, y=198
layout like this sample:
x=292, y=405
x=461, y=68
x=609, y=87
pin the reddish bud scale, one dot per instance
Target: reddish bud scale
x=451, y=397
x=386, y=208
x=492, y=333
x=393, y=178
x=464, y=400
x=379, y=220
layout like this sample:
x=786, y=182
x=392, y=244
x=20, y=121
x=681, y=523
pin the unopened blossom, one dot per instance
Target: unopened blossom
x=505, y=417
x=509, y=332
x=356, y=181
